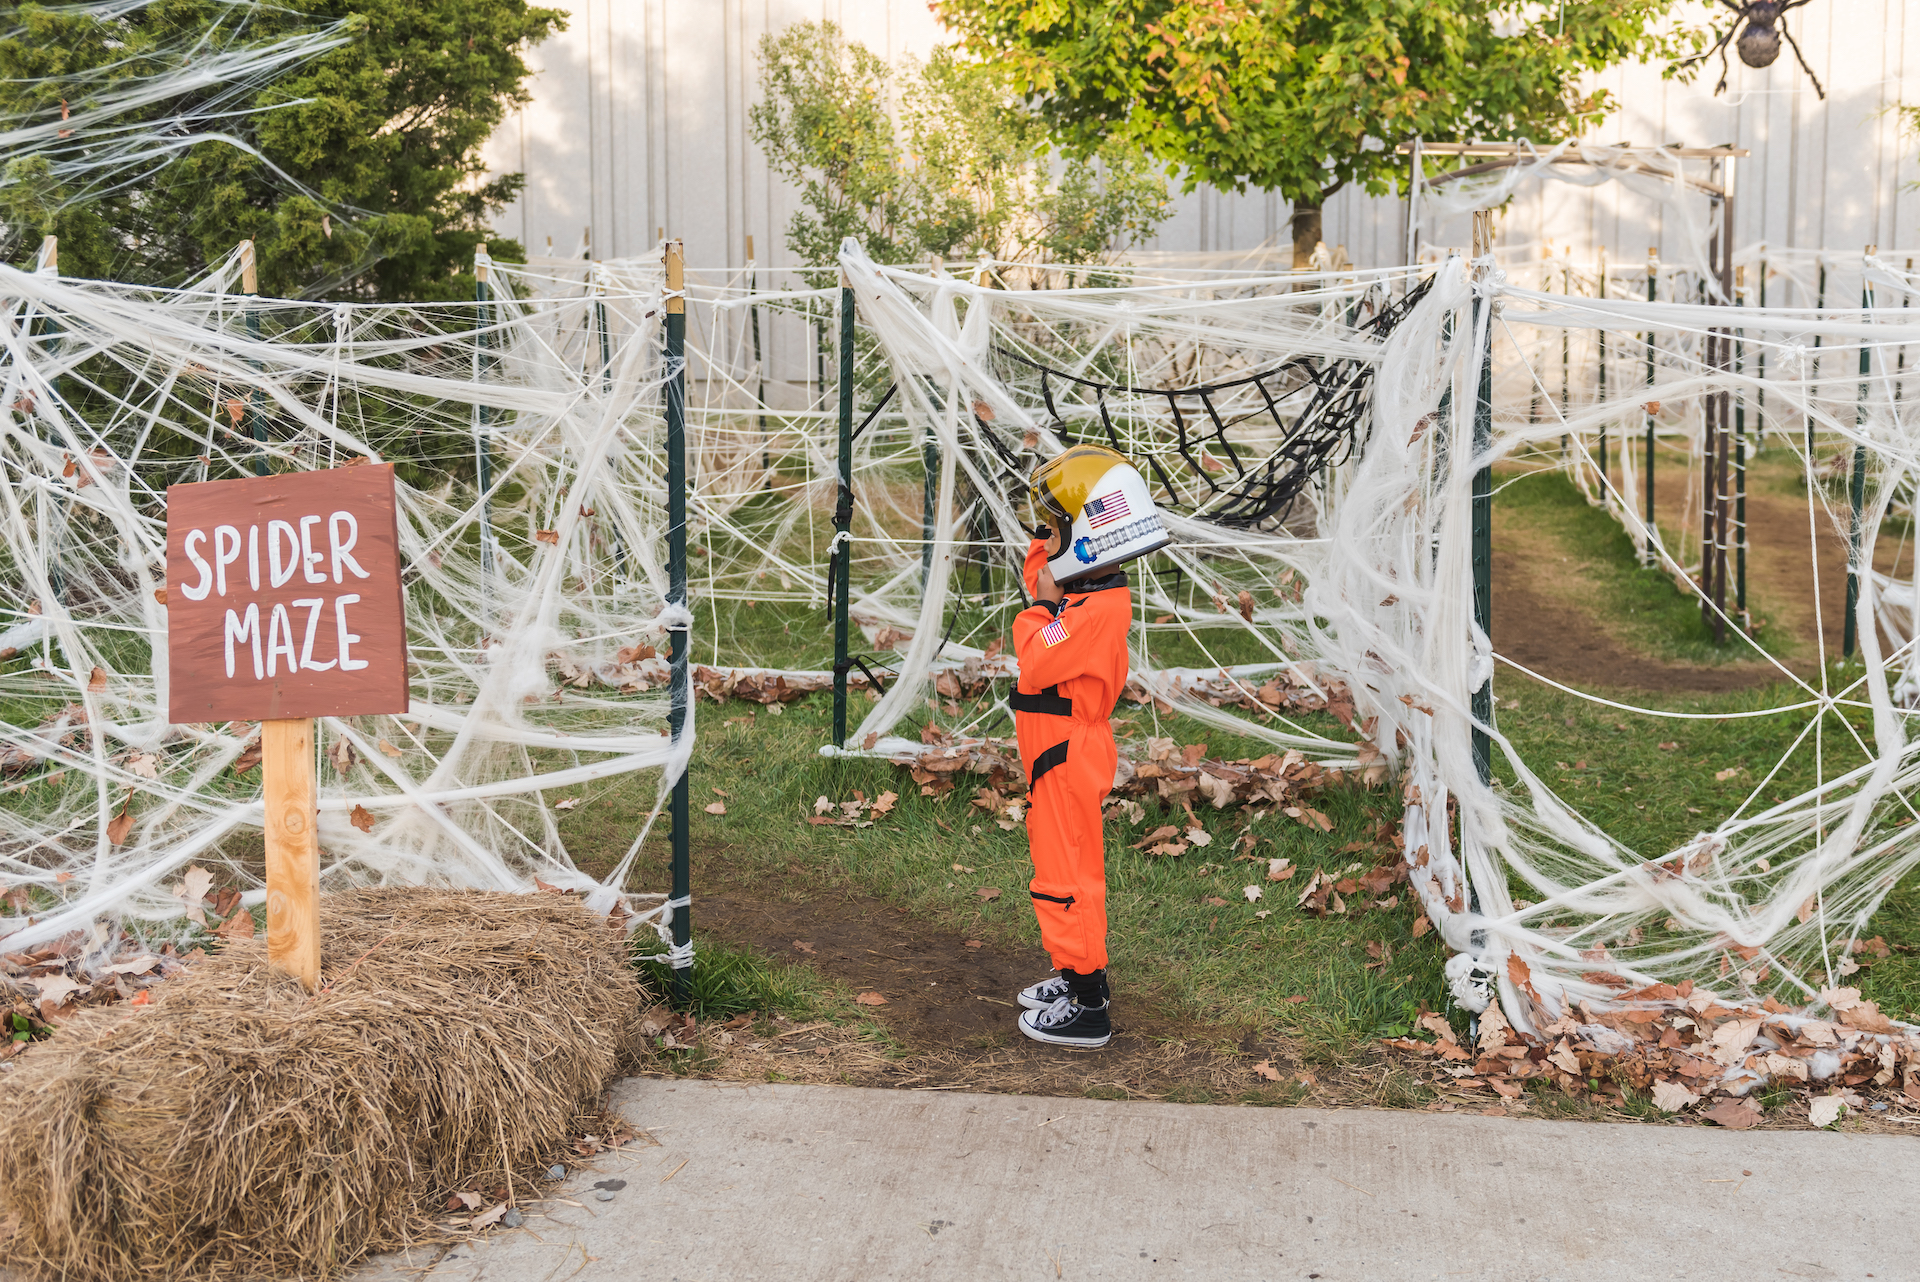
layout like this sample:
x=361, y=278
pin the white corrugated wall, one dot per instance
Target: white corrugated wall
x=638, y=126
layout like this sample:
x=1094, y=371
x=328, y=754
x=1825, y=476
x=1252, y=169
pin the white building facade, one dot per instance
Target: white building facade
x=639, y=128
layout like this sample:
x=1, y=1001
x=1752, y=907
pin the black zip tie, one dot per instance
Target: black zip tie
x=855, y=661
x=875, y=412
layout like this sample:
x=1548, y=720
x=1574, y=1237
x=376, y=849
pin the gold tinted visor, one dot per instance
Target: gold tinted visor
x=1062, y=484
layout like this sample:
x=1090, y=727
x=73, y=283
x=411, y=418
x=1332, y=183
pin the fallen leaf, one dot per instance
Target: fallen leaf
x=822, y=806
x=1266, y=1069
x=1826, y=1110
x=1671, y=1097
x=988, y=893
x=361, y=818
x=138, y=966
x=192, y=890
x=1279, y=869
x=486, y=1219
x=885, y=802
x=343, y=756
x=1292, y=1001
x=464, y=1200
x=1722, y=776
x=568, y=804
x=1214, y=901
x=1251, y=892
x=1421, y=925
x=97, y=681
x=1735, y=1117
x=976, y=943
x=144, y=764
x=1669, y=747
x=715, y=807
x=238, y=926
x=54, y=990
x=803, y=946
x=546, y=536
x=121, y=824
x=389, y=749
x=871, y=999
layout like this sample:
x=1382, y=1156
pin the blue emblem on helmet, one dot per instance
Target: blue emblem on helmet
x=1083, y=548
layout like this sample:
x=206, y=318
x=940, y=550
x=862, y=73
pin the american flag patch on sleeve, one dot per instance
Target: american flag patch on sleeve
x=1054, y=633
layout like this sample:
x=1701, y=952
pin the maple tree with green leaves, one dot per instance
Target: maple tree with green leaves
x=935, y=160
x=1303, y=98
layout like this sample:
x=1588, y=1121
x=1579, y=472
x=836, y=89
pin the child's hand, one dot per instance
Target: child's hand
x=1046, y=588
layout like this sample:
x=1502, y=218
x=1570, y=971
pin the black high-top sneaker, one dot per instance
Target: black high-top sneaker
x=1091, y=987
x=1068, y=1023
x=1043, y=994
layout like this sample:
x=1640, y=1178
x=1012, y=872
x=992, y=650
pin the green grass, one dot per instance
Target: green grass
x=731, y=981
x=1215, y=965
x=1218, y=966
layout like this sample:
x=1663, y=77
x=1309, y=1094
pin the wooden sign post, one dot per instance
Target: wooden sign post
x=284, y=604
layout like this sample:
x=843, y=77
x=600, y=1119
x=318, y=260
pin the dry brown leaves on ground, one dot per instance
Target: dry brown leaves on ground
x=48, y=984
x=1686, y=1051
x=1178, y=774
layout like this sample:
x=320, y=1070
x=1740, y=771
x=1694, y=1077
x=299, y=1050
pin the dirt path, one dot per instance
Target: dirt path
x=950, y=1004
x=1536, y=627
x=1783, y=578
x=1542, y=621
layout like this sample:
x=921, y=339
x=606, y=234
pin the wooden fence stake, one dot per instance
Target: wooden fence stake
x=293, y=849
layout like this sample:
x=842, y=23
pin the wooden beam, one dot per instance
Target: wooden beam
x=293, y=849
x=1516, y=149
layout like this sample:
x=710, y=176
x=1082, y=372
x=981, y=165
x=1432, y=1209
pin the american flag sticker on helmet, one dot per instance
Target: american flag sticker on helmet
x=1054, y=633
x=1106, y=509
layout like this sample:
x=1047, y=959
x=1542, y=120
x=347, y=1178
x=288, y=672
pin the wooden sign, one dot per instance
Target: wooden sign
x=284, y=604
x=284, y=598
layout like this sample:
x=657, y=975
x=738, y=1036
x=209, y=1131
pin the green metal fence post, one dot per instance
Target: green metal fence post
x=759, y=366
x=1482, y=527
x=1760, y=369
x=250, y=286
x=1740, y=463
x=1653, y=276
x=482, y=454
x=1819, y=309
x=1857, y=489
x=679, y=636
x=1600, y=388
x=843, y=520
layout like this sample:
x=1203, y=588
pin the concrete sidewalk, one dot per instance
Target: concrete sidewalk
x=847, y=1184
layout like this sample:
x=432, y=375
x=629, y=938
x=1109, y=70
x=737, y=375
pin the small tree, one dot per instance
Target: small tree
x=935, y=160
x=1305, y=96
x=356, y=173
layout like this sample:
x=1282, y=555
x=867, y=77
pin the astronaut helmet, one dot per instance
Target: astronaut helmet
x=1101, y=503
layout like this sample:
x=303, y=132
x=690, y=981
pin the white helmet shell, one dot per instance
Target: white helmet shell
x=1105, y=504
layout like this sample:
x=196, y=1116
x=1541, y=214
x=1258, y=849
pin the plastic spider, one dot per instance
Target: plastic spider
x=1759, y=44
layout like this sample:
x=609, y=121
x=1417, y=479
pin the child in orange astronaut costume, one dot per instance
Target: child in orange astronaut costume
x=1072, y=648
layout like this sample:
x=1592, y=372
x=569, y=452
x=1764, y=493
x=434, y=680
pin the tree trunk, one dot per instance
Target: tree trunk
x=1306, y=235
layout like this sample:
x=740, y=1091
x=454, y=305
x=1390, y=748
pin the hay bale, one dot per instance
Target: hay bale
x=239, y=1127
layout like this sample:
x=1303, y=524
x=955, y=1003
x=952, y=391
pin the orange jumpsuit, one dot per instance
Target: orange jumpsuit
x=1072, y=671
